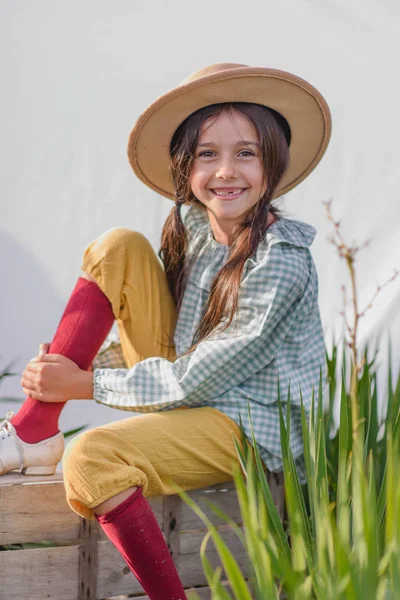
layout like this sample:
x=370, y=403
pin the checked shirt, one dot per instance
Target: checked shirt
x=276, y=336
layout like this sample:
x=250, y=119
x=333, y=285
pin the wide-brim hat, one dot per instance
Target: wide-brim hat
x=303, y=107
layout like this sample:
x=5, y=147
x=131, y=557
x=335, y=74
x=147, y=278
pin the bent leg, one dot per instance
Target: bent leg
x=86, y=321
x=126, y=268
x=129, y=284
x=191, y=448
x=133, y=529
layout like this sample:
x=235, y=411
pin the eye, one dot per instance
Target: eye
x=246, y=153
x=206, y=153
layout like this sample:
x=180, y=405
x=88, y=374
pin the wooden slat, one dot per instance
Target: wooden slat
x=15, y=478
x=190, y=541
x=223, y=495
x=33, y=512
x=190, y=568
x=114, y=576
x=88, y=563
x=50, y=573
x=201, y=593
x=172, y=525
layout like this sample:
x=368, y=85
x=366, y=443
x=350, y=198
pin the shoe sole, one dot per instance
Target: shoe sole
x=43, y=470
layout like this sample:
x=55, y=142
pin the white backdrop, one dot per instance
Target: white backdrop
x=74, y=77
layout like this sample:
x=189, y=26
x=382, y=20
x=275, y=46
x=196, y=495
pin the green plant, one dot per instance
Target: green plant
x=343, y=536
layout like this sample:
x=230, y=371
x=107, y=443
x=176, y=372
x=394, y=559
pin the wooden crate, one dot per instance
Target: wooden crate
x=85, y=565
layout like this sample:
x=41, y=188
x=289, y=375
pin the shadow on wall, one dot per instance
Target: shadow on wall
x=30, y=309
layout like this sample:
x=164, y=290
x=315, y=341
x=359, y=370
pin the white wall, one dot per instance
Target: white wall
x=75, y=76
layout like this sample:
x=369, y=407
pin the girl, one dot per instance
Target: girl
x=232, y=312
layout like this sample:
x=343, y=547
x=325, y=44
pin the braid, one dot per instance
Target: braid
x=173, y=251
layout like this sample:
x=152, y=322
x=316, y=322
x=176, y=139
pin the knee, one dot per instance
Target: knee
x=82, y=463
x=83, y=455
x=76, y=450
x=95, y=468
x=118, y=241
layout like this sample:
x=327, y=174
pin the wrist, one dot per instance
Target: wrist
x=84, y=388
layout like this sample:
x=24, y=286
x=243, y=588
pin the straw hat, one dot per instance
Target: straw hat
x=300, y=103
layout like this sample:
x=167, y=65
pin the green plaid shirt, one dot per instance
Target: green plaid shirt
x=275, y=335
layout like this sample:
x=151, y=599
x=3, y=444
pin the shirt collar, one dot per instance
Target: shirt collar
x=289, y=231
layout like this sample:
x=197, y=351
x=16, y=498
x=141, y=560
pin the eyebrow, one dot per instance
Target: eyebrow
x=240, y=143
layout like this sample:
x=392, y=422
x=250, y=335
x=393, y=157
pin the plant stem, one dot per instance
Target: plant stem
x=349, y=256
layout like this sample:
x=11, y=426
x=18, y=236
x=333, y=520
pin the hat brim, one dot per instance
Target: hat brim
x=300, y=103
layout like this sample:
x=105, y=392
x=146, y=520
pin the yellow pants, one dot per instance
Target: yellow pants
x=191, y=448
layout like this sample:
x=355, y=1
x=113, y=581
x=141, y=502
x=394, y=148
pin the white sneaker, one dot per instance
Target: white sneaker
x=29, y=459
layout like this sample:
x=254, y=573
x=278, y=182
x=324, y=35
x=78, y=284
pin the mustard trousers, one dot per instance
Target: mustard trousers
x=191, y=448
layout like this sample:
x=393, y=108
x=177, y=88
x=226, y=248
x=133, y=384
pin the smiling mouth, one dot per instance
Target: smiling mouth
x=228, y=192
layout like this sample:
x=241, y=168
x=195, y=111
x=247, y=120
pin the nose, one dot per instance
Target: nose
x=226, y=169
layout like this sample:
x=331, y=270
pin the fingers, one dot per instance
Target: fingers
x=29, y=376
x=42, y=352
x=32, y=393
x=43, y=349
x=37, y=361
x=53, y=358
x=31, y=387
x=34, y=367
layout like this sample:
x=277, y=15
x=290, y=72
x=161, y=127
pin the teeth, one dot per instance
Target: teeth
x=232, y=193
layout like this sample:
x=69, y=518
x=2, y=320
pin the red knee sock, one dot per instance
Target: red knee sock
x=86, y=321
x=134, y=531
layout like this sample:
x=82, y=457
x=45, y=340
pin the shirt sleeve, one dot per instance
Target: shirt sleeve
x=110, y=358
x=269, y=298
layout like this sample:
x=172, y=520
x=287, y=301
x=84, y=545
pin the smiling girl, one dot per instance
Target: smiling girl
x=229, y=313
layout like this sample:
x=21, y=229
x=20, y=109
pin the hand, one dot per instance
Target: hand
x=56, y=378
x=44, y=349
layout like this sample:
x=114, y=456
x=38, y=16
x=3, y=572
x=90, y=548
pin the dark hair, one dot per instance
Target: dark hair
x=274, y=136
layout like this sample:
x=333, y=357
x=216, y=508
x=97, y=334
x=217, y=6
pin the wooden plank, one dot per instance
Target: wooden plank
x=190, y=541
x=114, y=576
x=223, y=495
x=203, y=593
x=200, y=593
x=191, y=571
x=190, y=568
x=172, y=525
x=15, y=478
x=88, y=563
x=50, y=573
x=33, y=512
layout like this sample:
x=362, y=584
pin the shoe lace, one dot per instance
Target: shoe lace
x=5, y=426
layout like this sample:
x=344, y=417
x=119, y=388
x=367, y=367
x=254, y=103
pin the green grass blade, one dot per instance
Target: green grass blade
x=273, y=514
x=309, y=463
x=71, y=432
x=213, y=576
x=299, y=525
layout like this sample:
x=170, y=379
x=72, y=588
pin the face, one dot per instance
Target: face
x=227, y=174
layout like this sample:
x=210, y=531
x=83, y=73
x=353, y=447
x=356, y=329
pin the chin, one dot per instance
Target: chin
x=231, y=216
